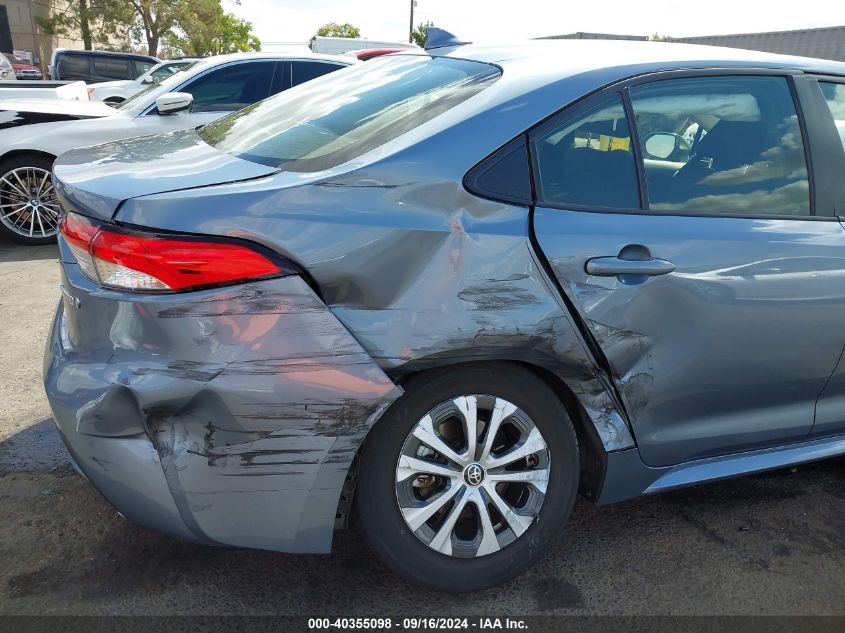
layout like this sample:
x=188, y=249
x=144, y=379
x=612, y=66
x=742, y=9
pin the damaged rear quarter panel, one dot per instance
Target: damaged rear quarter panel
x=256, y=399
x=421, y=272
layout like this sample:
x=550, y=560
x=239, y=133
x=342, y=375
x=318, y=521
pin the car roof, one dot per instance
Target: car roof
x=560, y=58
x=71, y=51
x=221, y=59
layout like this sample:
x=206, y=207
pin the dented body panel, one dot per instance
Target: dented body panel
x=727, y=353
x=240, y=409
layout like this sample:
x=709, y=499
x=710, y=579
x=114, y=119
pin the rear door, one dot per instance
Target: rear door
x=680, y=219
x=306, y=70
x=826, y=97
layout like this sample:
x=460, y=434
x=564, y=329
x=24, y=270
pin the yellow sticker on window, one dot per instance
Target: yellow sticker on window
x=610, y=143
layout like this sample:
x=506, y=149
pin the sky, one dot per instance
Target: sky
x=492, y=20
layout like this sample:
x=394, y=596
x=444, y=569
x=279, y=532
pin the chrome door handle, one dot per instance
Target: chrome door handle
x=614, y=266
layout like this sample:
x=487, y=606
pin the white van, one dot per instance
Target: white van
x=339, y=45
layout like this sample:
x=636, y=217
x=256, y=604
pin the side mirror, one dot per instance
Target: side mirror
x=147, y=80
x=661, y=145
x=172, y=102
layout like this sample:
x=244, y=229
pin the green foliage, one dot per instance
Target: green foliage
x=204, y=29
x=185, y=27
x=157, y=18
x=333, y=29
x=418, y=34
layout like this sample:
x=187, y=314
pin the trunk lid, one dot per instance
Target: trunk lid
x=94, y=181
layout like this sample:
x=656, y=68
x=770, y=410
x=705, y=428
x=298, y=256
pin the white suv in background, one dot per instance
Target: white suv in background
x=114, y=92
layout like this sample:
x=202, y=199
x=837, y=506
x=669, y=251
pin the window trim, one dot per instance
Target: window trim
x=636, y=149
x=622, y=86
x=830, y=153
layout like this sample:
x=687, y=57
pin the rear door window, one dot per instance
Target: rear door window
x=586, y=158
x=231, y=87
x=722, y=145
x=74, y=67
x=111, y=68
x=306, y=71
x=141, y=67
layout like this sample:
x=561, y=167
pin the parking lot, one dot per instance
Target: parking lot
x=769, y=544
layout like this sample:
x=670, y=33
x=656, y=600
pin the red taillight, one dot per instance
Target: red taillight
x=135, y=261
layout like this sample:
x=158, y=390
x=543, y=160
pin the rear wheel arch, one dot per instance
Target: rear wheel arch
x=17, y=153
x=593, y=456
x=592, y=450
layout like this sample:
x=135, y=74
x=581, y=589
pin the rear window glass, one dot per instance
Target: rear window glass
x=343, y=115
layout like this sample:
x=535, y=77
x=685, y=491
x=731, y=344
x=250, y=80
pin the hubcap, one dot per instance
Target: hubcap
x=28, y=204
x=472, y=476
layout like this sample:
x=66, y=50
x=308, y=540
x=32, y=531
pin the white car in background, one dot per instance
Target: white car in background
x=34, y=132
x=114, y=92
x=7, y=73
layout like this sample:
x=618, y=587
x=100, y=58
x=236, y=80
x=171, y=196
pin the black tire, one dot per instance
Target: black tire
x=377, y=510
x=7, y=166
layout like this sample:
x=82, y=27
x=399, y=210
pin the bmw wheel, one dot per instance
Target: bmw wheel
x=468, y=477
x=29, y=208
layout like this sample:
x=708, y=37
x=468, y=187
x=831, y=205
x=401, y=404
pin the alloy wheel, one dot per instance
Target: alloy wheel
x=28, y=203
x=472, y=476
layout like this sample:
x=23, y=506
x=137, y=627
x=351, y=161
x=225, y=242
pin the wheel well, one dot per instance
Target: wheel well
x=593, y=458
x=592, y=453
x=27, y=152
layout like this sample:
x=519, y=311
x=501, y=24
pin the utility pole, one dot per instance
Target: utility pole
x=411, y=28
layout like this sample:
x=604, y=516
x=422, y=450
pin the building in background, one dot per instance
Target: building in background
x=580, y=35
x=19, y=31
x=826, y=43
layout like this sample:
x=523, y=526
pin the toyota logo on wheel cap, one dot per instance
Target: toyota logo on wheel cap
x=474, y=474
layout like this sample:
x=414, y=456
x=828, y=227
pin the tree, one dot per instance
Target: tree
x=157, y=18
x=204, y=29
x=235, y=35
x=197, y=23
x=101, y=22
x=419, y=33
x=333, y=29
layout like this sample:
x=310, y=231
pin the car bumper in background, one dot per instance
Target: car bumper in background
x=228, y=416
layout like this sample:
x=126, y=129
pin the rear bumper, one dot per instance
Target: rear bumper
x=228, y=416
